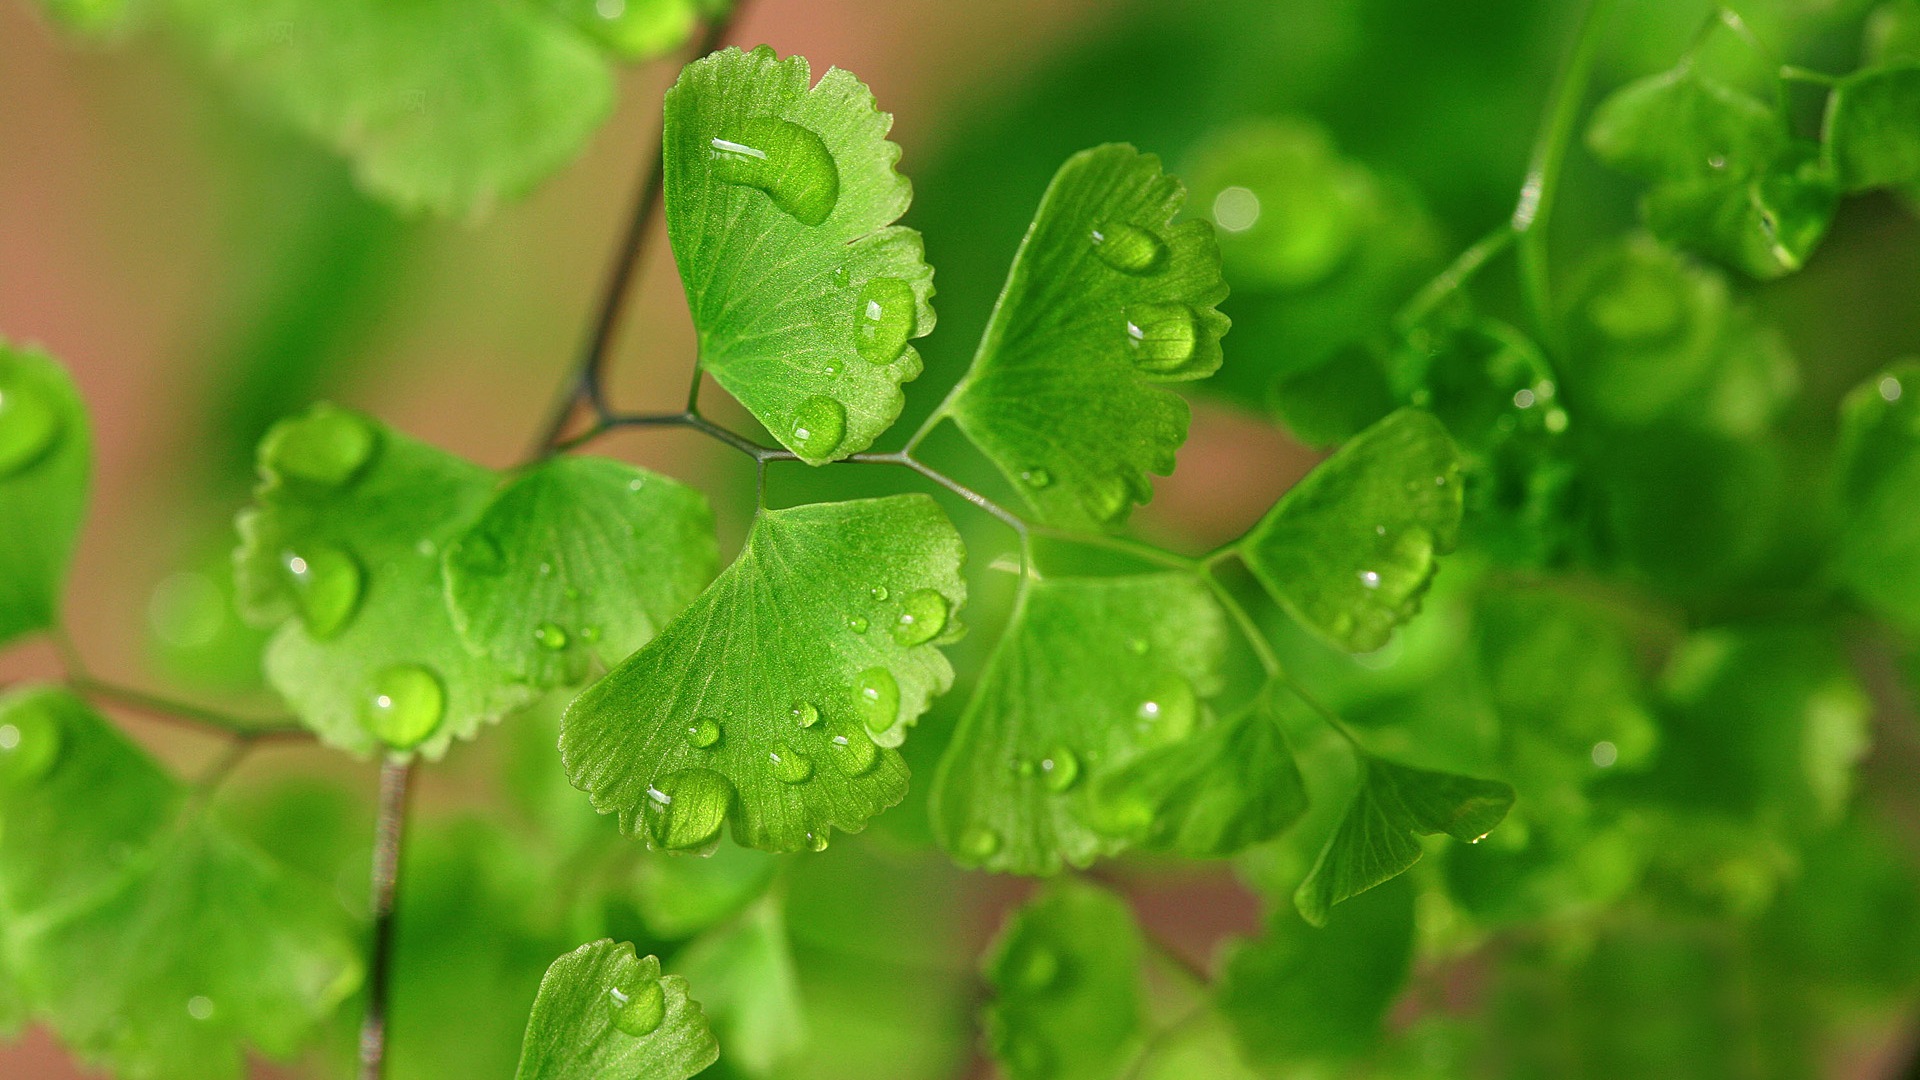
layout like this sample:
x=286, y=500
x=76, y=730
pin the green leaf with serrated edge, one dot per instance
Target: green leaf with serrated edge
x=1107, y=298
x=1065, y=972
x=1872, y=128
x=342, y=547
x=1766, y=224
x=1223, y=788
x=780, y=206
x=577, y=558
x=148, y=938
x=46, y=456
x=603, y=1013
x=1090, y=673
x=439, y=104
x=1352, y=547
x=748, y=982
x=681, y=894
x=764, y=699
x=1376, y=840
x=1300, y=992
x=1877, y=480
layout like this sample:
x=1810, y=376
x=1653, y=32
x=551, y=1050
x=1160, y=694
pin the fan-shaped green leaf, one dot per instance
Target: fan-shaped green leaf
x=1376, y=840
x=46, y=455
x=1089, y=674
x=780, y=205
x=604, y=1014
x=1351, y=548
x=765, y=699
x=343, y=548
x=578, y=557
x=1106, y=299
x=1066, y=978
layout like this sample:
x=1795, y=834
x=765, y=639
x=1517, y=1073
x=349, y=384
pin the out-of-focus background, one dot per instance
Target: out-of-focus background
x=204, y=271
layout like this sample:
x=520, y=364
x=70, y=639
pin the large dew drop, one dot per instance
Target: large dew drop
x=1161, y=337
x=1169, y=711
x=406, y=705
x=640, y=1012
x=805, y=713
x=685, y=809
x=1060, y=769
x=883, y=320
x=703, y=733
x=853, y=750
x=790, y=766
x=29, y=424
x=327, y=583
x=327, y=447
x=1129, y=249
x=818, y=426
x=29, y=744
x=787, y=161
x=876, y=699
x=923, y=614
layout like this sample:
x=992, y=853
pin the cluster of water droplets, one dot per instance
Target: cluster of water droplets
x=1162, y=336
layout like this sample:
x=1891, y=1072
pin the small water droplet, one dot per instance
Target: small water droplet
x=639, y=1013
x=788, y=162
x=1162, y=337
x=1059, y=770
x=29, y=744
x=816, y=842
x=879, y=592
x=703, y=732
x=818, y=426
x=790, y=766
x=1168, y=713
x=857, y=623
x=923, y=614
x=405, y=706
x=883, y=319
x=979, y=842
x=842, y=276
x=1370, y=578
x=697, y=803
x=1129, y=249
x=876, y=699
x=853, y=750
x=200, y=1007
x=327, y=447
x=327, y=583
x=29, y=424
x=1036, y=478
x=550, y=636
x=804, y=713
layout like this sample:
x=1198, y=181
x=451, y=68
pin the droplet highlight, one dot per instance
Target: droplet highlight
x=29, y=744
x=691, y=809
x=1059, y=770
x=853, y=751
x=1161, y=337
x=790, y=163
x=876, y=699
x=857, y=623
x=550, y=636
x=406, y=705
x=327, y=584
x=640, y=1012
x=804, y=713
x=923, y=614
x=1168, y=713
x=703, y=733
x=883, y=320
x=819, y=426
x=1129, y=249
x=790, y=766
x=979, y=842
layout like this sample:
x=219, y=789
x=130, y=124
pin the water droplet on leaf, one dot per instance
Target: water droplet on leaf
x=979, y=842
x=853, y=750
x=1060, y=769
x=804, y=713
x=29, y=424
x=1036, y=478
x=923, y=614
x=857, y=623
x=1129, y=249
x=327, y=447
x=327, y=583
x=818, y=426
x=639, y=1013
x=788, y=162
x=879, y=592
x=816, y=842
x=876, y=699
x=790, y=766
x=883, y=317
x=29, y=744
x=550, y=636
x=1168, y=713
x=406, y=705
x=703, y=732
x=697, y=803
x=1161, y=337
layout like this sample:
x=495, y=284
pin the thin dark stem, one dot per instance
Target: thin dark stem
x=1456, y=275
x=180, y=712
x=389, y=831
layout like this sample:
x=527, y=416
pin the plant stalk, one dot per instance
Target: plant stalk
x=389, y=832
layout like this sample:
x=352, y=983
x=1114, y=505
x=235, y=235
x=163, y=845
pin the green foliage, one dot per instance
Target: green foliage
x=602, y=1012
x=1067, y=998
x=746, y=974
x=818, y=648
x=1107, y=298
x=1090, y=675
x=1873, y=127
x=576, y=559
x=343, y=550
x=1877, y=481
x=1350, y=549
x=46, y=455
x=813, y=339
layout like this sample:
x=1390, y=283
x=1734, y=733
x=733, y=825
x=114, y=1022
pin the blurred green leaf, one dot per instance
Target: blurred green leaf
x=814, y=342
x=747, y=981
x=1107, y=298
x=1873, y=127
x=633, y=29
x=603, y=1012
x=1376, y=840
x=1893, y=33
x=46, y=456
x=577, y=558
x=764, y=699
x=1349, y=550
x=1877, y=477
x=1066, y=982
x=1090, y=674
x=680, y=895
x=342, y=549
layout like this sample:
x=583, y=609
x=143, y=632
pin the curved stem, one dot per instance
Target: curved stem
x=1537, y=194
x=1257, y=641
x=1138, y=549
x=1454, y=277
x=162, y=708
x=389, y=833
